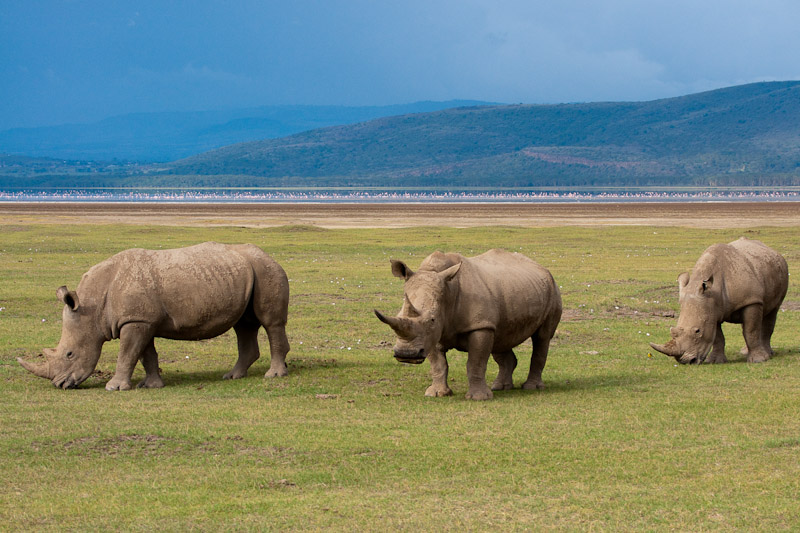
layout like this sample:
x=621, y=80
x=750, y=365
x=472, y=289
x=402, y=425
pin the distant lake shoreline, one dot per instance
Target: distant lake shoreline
x=400, y=196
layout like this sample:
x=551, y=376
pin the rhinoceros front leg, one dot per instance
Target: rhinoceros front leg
x=278, y=348
x=134, y=339
x=480, y=346
x=152, y=378
x=507, y=362
x=752, y=320
x=717, y=354
x=439, y=368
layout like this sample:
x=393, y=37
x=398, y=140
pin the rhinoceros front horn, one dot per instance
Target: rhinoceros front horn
x=668, y=349
x=400, y=325
x=42, y=369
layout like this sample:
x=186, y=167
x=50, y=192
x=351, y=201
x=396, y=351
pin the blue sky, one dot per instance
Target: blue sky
x=81, y=61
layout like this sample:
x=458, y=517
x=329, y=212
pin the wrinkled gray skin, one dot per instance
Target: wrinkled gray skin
x=481, y=305
x=743, y=282
x=190, y=293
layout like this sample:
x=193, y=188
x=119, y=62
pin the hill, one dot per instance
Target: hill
x=162, y=137
x=747, y=134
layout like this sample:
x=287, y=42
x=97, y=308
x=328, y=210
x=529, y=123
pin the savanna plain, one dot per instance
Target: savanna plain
x=621, y=438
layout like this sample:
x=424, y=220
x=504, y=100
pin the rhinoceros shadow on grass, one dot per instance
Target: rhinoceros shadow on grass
x=483, y=305
x=743, y=282
x=192, y=293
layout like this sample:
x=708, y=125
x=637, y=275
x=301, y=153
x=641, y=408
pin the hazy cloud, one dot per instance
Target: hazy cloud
x=78, y=61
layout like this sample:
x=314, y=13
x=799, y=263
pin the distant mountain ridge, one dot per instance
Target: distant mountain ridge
x=743, y=134
x=746, y=135
x=154, y=137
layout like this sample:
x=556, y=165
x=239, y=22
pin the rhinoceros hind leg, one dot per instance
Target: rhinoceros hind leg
x=507, y=362
x=278, y=348
x=752, y=329
x=541, y=345
x=767, y=328
x=247, y=342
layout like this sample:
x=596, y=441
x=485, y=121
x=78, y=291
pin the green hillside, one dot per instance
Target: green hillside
x=740, y=135
x=160, y=137
x=747, y=135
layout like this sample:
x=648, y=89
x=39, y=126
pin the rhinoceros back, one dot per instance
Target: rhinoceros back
x=769, y=270
x=187, y=293
x=507, y=292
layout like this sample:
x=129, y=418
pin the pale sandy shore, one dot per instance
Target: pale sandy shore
x=690, y=214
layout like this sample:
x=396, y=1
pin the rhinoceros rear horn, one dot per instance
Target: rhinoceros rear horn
x=669, y=348
x=42, y=369
x=412, y=311
x=68, y=297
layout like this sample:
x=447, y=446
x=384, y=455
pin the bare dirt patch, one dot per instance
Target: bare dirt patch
x=791, y=305
x=303, y=217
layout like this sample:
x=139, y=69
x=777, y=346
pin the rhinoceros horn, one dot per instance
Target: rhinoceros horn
x=42, y=370
x=668, y=349
x=412, y=311
x=400, y=325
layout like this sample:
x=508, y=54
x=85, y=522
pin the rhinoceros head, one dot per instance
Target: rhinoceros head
x=693, y=337
x=419, y=324
x=78, y=350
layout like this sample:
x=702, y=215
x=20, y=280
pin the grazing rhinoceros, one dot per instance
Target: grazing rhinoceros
x=190, y=293
x=743, y=282
x=482, y=305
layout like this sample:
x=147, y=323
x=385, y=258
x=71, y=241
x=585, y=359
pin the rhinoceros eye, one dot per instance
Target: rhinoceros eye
x=69, y=355
x=697, y=331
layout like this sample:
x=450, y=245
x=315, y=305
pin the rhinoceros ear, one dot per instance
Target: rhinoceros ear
x=401, y=270
x=68, y=297
x=450, y=273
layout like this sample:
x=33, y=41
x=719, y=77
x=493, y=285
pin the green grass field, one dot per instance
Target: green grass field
x=618, y=440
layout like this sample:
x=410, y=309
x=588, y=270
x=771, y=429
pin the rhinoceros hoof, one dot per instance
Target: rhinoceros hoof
x=757, y=356
x=234, y=375
x=276, y=373
x=533, y=385
x=118, y=384
x=150, y=383
x=438, y=391
x=497, y=385
x=717, y=358
x=480, y=395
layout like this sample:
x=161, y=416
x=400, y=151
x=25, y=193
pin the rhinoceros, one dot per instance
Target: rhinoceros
x=487, y=304
x=190, y=293
x=743, y=282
